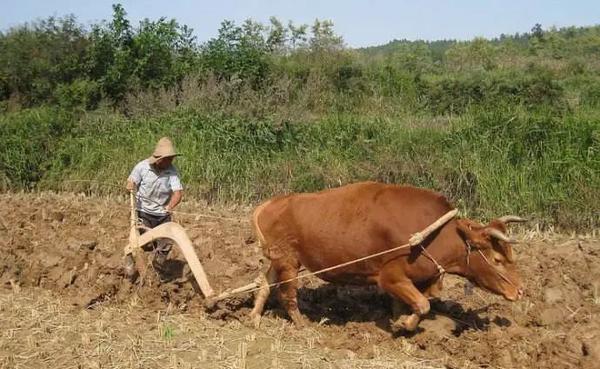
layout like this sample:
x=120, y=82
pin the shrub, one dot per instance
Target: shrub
x=84, y=94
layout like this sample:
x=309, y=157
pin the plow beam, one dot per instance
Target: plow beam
x=176, y=233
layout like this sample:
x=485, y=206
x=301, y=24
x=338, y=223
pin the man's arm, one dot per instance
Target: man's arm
x=175, y=200
x=134, y=178
x=177, y=189
x=130, y=186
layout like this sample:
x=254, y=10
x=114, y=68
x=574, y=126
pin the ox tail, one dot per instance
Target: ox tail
x=260, y=236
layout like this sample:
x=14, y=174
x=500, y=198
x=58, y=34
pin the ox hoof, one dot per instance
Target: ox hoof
x=210, y=304
x=299, y=322
x=131, y=273
x=255, y=320
x=406, y=323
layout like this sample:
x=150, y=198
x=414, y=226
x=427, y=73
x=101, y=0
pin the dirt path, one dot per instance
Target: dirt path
x=63, y=289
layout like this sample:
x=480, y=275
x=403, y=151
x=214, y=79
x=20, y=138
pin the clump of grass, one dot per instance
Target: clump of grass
x=167, y=332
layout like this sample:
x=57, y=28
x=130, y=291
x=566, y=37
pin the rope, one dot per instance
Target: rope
x=470, y=248
x=277, y=284
x=496, y=269
x=177, y=212
x=440, y=268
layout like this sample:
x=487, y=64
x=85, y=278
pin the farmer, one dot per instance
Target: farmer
x=158, y=190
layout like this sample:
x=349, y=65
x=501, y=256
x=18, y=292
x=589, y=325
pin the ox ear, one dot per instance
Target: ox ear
x=497, y=235
x=507, y=252
x=472, y=232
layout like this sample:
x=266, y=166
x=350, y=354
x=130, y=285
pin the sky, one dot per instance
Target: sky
x=360, y=23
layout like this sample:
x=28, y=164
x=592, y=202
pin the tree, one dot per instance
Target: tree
x=157, y=54
x=537, y=32
x=277, y=38
x=237, y=51
x=298, y=36
x=324, y=38
x=36, y=57
x=479, y=53
x=164, y=53
x=110, y=55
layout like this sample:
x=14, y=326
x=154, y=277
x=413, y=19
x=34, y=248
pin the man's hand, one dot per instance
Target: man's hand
x=129, y=185
x=175, y=200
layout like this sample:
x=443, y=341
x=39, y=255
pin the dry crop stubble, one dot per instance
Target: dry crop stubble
x=66, y=303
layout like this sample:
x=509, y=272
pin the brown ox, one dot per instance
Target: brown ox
x=320, y=230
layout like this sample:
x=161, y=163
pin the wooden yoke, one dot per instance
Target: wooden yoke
x=174, y=232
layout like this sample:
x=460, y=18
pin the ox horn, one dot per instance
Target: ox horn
x=511, y=219
x=499, y=235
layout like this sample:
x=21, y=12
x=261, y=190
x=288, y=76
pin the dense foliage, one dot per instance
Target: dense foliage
x=504, y=125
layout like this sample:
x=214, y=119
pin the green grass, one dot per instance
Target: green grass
x=168, y=332
x=538, y=163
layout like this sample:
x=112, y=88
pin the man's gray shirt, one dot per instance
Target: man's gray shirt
x=154, y=188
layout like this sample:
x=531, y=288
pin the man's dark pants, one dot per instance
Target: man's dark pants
x=161, y=246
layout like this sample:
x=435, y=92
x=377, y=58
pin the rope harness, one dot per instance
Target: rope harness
x=470, y=248
x=441, y=270
x=505, y=278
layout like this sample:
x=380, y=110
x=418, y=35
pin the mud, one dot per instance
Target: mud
x=72, y=246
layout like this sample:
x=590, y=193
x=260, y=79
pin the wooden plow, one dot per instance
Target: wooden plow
x=172, y=231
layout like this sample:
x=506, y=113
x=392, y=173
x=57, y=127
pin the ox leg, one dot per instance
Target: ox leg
x=431, y=291
x=402, y=288
x=264, y=280
x=288, y=291
x=434, y=289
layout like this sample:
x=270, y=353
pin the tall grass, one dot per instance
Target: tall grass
x=536, y=163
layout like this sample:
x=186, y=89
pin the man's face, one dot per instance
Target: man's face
x=164, y=163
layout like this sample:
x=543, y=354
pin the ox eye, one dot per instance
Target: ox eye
x=498, y=259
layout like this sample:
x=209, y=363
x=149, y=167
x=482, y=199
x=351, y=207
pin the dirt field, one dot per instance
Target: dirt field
x=65, y=303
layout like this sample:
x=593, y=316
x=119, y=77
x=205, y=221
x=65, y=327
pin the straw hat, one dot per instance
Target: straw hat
x=164, y=149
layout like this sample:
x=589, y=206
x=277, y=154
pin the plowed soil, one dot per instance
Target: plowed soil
x=66, y=302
